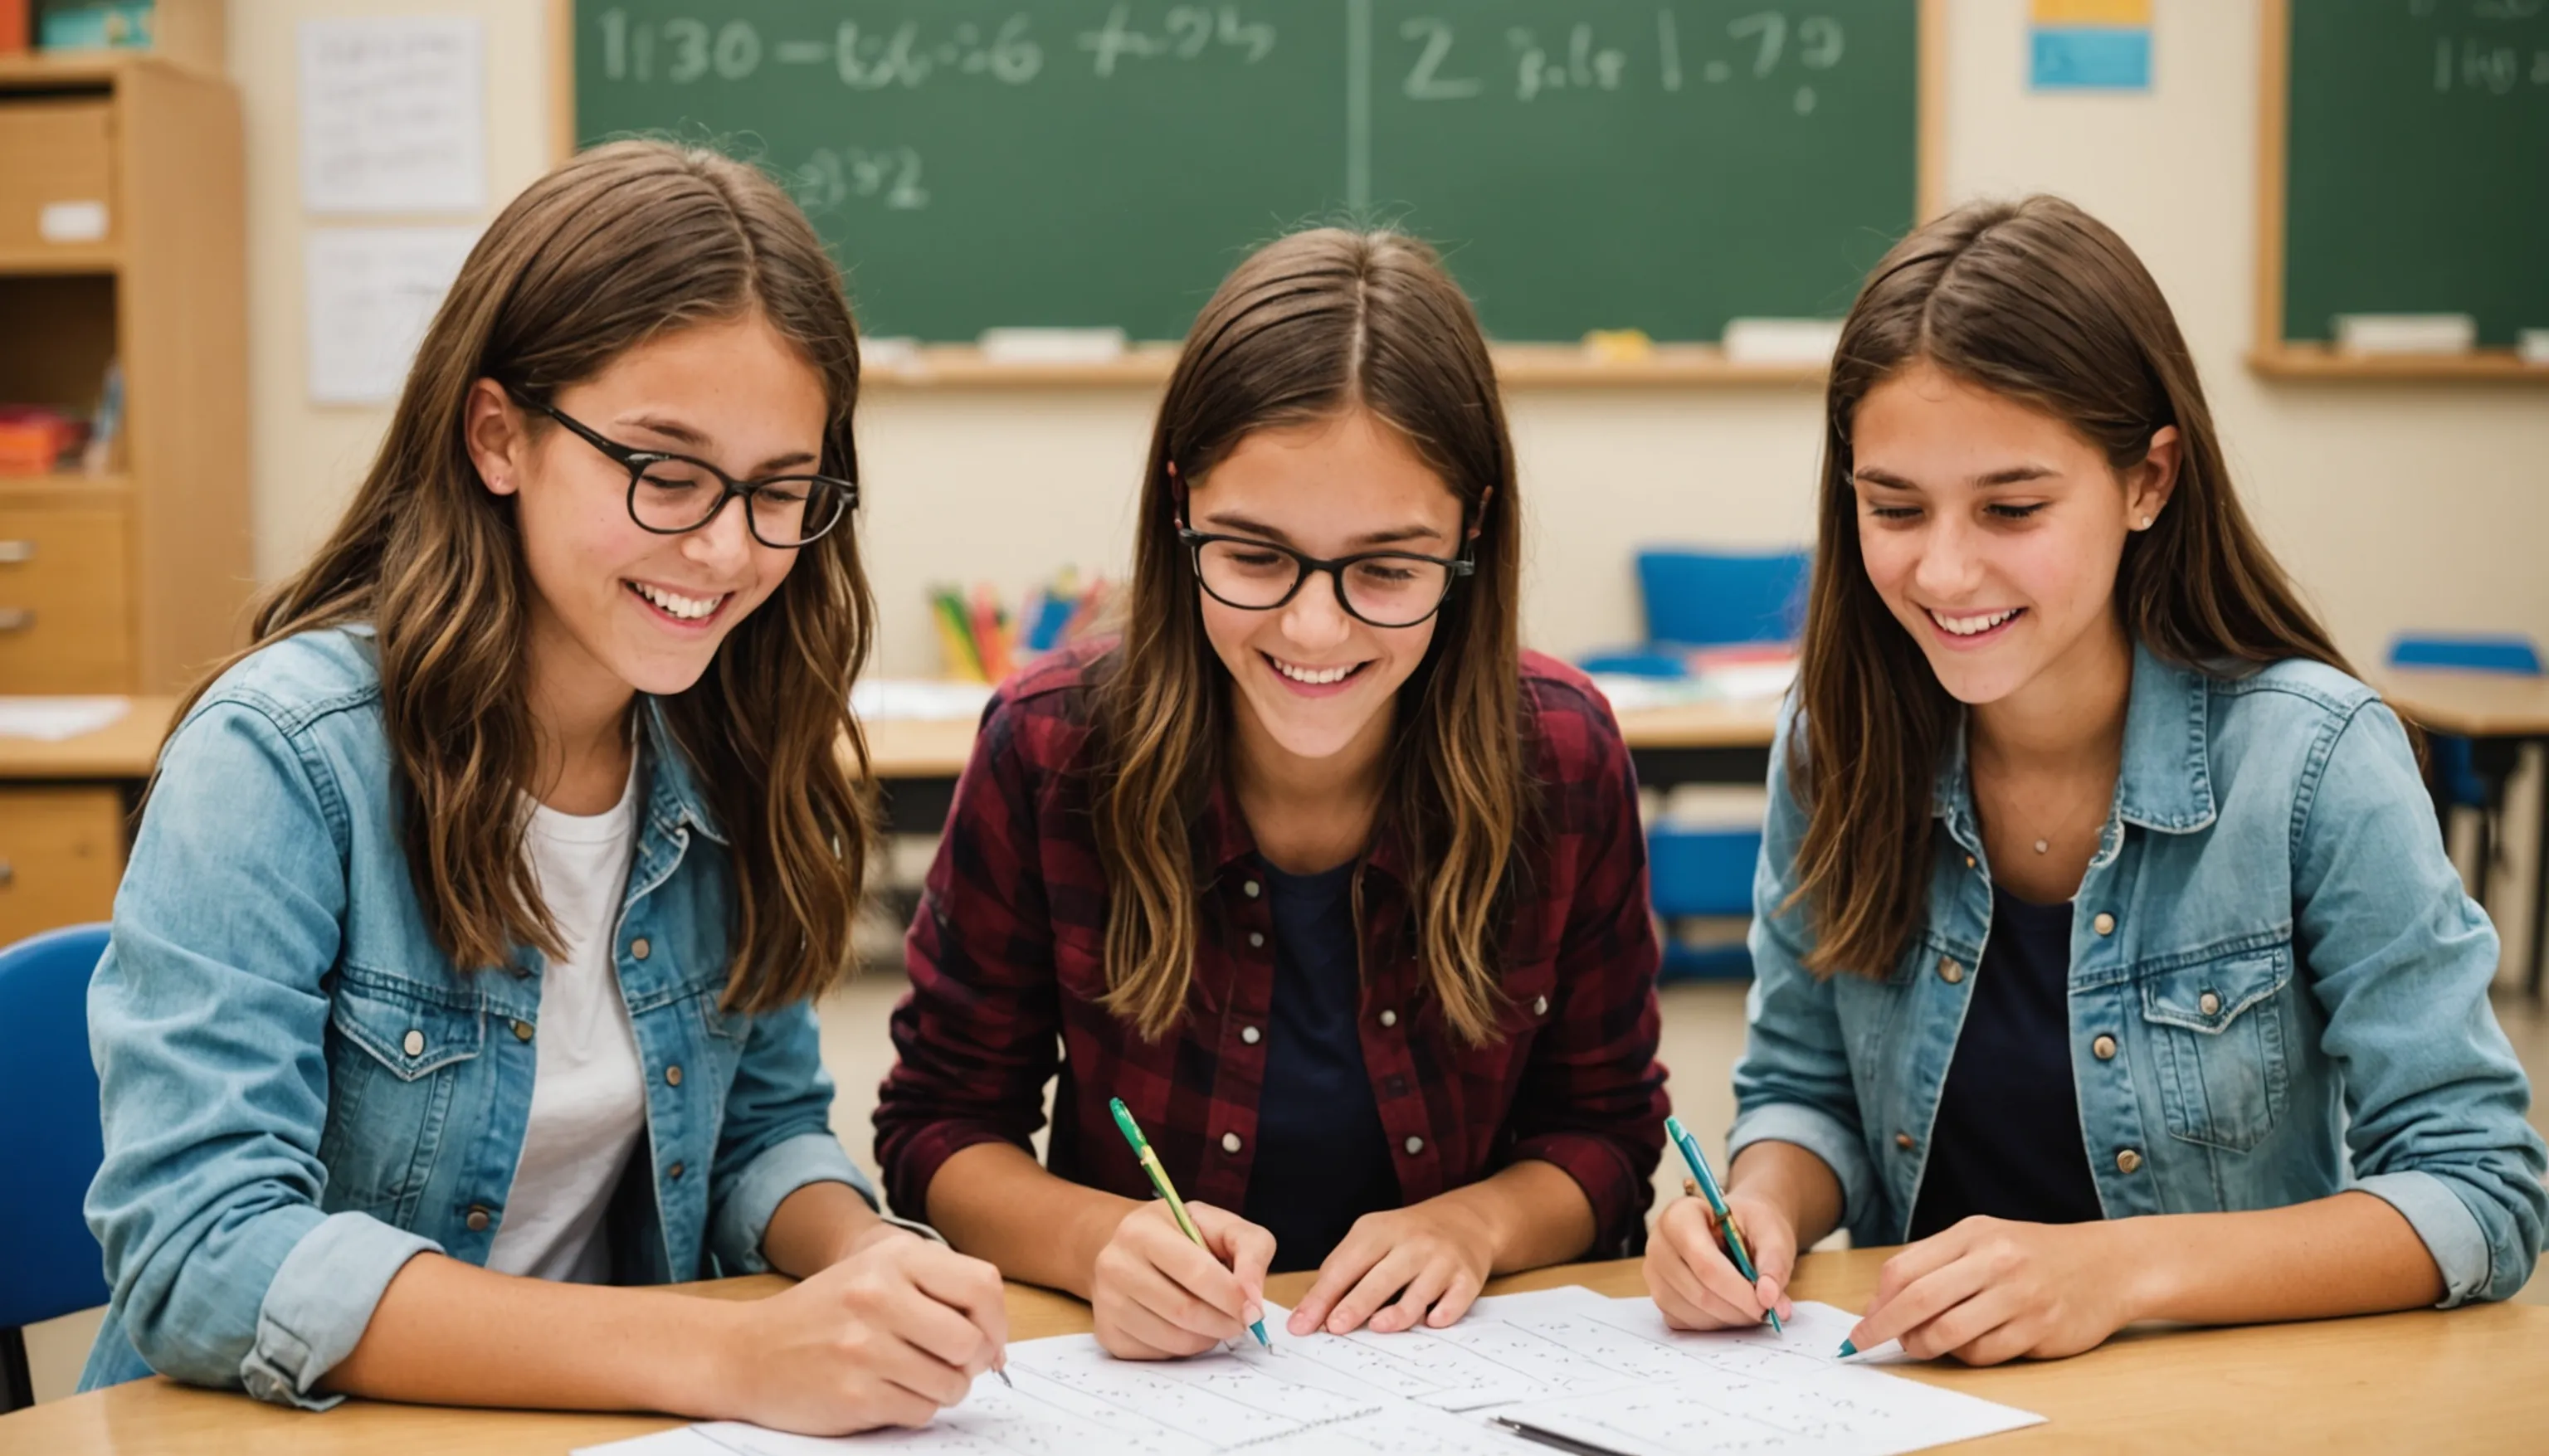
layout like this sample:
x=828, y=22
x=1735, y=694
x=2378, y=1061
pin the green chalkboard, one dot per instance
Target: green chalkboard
x=1660, y=164
x=2417, y=163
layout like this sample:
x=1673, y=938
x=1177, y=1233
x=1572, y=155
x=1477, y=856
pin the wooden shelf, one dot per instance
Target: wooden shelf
x=2294, y=361
x=60, y=260
x=63, y=486
x=1518, y=365
x=66, y=71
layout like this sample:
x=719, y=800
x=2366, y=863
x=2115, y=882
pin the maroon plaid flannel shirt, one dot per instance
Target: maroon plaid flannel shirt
x=1006, y=963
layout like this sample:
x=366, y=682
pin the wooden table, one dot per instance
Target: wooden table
x=2499, y=711
x=2463, y=1380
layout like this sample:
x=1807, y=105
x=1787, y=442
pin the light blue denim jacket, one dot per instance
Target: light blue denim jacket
x=300, y=1092
x=2293, y=979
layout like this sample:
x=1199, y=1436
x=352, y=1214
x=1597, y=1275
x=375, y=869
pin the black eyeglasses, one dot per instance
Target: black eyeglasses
x=1385, y=588
x=671, y=494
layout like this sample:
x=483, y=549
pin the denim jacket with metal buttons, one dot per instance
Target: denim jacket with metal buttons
x=300, y=1092
x=2278, y=988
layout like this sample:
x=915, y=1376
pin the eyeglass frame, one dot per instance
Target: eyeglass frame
x=635, y=461
x=1307, y=566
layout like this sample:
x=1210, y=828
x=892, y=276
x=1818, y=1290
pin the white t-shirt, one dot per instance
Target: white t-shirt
x=589, y=1097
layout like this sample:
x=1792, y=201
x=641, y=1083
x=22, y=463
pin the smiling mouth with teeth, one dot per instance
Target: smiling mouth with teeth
x=678, y=606
x=1316, y=678
x=1973, y=627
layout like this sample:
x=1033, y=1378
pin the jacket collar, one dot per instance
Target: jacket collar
x=2166, y=783
x=673, y=797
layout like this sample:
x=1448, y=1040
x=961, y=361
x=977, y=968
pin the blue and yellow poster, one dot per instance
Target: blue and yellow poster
x=2089, y=44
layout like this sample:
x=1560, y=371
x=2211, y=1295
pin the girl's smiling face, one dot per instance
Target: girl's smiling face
x=615, y=606
x=1991, y=529
x=1312, y=678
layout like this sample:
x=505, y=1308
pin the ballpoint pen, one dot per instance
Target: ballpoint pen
x=1698, y=1161
x=1150, y=1162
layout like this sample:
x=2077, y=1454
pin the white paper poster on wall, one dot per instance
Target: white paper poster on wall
x=371, y=292
x=393, y=115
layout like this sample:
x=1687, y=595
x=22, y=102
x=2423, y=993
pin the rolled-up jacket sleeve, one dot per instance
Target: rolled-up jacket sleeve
x=2400, y=959
x=777, y=1138
x=1793, y=1083
x=207, y=1021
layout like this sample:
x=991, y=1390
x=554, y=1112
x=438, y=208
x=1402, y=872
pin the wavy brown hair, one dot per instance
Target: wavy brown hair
x=1309, y=327
x=620, y=246
x=2040, y=303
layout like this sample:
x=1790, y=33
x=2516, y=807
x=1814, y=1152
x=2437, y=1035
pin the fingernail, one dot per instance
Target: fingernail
x=1254, y=1313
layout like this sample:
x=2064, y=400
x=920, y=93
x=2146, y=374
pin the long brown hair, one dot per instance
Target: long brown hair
x=2041, y=303
x=619, y=245
x=1310, y=325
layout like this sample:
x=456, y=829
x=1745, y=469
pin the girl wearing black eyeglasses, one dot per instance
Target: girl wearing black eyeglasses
x=1339, y=890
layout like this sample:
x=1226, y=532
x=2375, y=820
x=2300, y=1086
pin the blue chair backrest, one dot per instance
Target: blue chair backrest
x=2476, y=652
x=1719, y=598
x=49, y=1146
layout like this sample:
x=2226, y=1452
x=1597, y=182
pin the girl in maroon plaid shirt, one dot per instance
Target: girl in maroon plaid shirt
x=1342, y=892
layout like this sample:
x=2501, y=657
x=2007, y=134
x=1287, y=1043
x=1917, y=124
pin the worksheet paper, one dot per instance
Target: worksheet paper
x=1606, y=1371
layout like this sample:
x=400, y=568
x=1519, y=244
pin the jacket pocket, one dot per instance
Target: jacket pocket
x=2219, y=1032
x=393, y=1065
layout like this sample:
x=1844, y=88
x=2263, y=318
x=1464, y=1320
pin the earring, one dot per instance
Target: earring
x=2146, y=525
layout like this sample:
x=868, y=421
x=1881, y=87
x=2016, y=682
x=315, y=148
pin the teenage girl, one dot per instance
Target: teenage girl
x=2108, y=952
x=1340, y=892
x=462, y=970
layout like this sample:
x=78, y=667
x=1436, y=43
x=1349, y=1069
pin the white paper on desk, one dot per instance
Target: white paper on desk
x=1755, y=1390
x=393, y=114
x=372, y=291
x=54, y=719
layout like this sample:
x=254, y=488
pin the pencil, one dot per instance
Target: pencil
x=1698, y=1161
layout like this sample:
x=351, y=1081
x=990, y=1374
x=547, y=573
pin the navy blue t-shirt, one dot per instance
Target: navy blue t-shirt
x=1322, y=1159
x=2007, y=1140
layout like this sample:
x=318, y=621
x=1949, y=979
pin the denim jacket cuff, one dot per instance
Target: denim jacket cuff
x=1818, y=1132
x=736, y=1227
x=2450, y=1230
x=320, y=1304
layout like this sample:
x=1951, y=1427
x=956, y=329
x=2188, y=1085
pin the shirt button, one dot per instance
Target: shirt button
x=1969, y=862
x=674, y=1172
x=1388, y=1019
x=2103, y=1048
x=2104, y=923
x=1230, y=1143
x=1414, y=1146
x=414, y=1044
x=673, y=1075
x=1903, y=1140
x=1248, y=1035
x=1950, y=971
x=521, y=1031
x=478, y=1221
x=1255, y=938
x=639, y=949
x=2208, y=1003
x=1251, y=889
x=1540, y=1006
x=2128, y=1161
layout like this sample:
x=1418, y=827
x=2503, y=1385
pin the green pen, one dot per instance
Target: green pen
x=1150, y=1161
x=1698, y=1161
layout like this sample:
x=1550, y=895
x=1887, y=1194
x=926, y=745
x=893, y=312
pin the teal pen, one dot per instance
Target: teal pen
x=1698, y=1161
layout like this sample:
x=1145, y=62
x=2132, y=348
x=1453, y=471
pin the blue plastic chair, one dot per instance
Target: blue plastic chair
x=2463, y=776
x=1702, y=872
x=1720, y=598
x=50, y=1142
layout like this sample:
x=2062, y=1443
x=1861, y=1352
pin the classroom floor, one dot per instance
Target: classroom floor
x=1703, y=1031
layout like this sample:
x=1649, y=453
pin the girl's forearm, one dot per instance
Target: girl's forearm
x=1790, y=1178
x=817, y=1227
x=450, y=1333
x=996, y=1203
x=1532, y=1212
x=2351, y=1253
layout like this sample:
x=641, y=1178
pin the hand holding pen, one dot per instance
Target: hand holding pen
x=1702, y=1282
x=1177, y=1278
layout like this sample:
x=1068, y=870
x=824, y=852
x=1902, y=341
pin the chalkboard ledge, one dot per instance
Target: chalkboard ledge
x=2307, y=361
x=1518, y=365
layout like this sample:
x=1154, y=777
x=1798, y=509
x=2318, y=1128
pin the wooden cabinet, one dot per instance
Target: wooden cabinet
x=62, y=854
x=122, y=241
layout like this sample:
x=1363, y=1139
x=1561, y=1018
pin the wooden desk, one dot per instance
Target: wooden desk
x=2501, y=712
x=2384, y=1384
